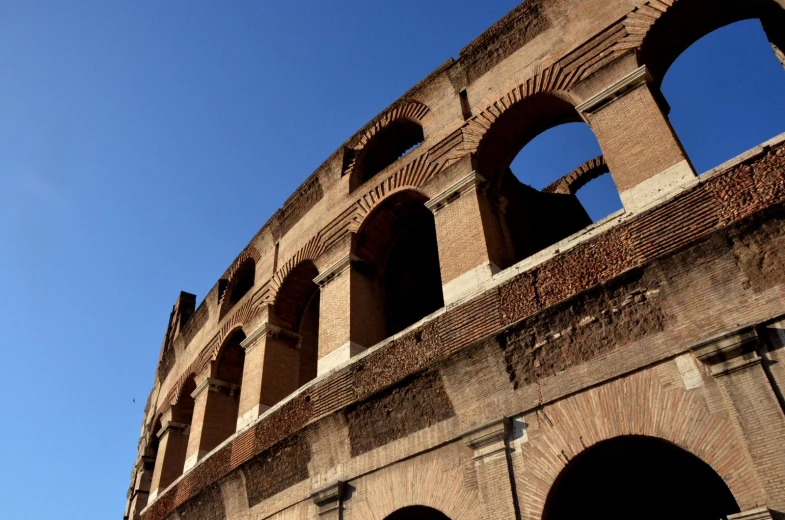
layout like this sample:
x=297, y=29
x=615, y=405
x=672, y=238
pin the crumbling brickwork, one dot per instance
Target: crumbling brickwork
x=351, y=399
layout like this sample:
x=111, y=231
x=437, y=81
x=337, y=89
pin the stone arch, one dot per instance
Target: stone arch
x=649, y=478
x=512, y=122
x=241, y=280
x=661, y=31
x=530, y=219
x=181, y=388
x=230, y=346
x=397, y=247
x=637, y=404
x=395, y=133
x=423, y=481
x=579, y=177
x=291, y=350
x=307, y=253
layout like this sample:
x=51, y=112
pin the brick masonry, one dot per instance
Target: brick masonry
x=591, y=341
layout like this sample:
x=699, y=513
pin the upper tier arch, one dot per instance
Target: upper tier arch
x=668, y=30
x=395, y=133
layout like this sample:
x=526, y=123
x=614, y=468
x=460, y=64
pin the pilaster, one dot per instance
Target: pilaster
x=344, y=330
x=329, y=501
x=735, y=363
x=170, y=460
x=469, y=232
x=215, y=417
x=494, y=474
x=265, y=382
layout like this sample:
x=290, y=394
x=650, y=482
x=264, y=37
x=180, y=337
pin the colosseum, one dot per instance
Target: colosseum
x=417, y=334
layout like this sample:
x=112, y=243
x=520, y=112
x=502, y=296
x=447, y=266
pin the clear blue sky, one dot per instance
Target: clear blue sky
x=142, y=144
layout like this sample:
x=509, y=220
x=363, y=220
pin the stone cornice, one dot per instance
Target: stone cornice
x=618, y=89
x=214, y=385
x=171, y=426
x=489, y=439
x=268, y=328
x=335, y=269
x=469, y=182
x=730, y=352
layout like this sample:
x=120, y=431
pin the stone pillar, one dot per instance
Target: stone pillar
x=735, y=363
x=351, y=312
x=169, y=463
x=140, y=491
x=329, y=501
x=494, y=474
x=645, y=157
x=472, y=245
x=215, y=417
x=270, y=371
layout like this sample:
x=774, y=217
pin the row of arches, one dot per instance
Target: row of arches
x=397, y=258
x=714, y=74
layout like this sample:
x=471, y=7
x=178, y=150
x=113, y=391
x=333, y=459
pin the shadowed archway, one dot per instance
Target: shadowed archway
x=638, y=477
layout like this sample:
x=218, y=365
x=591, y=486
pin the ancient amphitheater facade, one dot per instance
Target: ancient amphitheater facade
x=416, y=334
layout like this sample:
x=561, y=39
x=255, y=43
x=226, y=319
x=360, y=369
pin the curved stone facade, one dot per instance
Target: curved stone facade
x=415, y=332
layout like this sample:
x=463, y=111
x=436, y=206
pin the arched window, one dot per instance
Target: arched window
x=391, y=143
x=724, y=86
x=173, y=441
x=242, y=281
x=533, y=145
x=291, y=355
x=638, y=477
x=417, y=513
x=398, y=249
x=221, y=400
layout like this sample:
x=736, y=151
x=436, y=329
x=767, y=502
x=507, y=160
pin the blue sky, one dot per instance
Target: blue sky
x=142, y=144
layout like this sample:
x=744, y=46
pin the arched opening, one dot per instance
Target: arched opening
x=417, y=513
x=173, y=440
x=392, y=142
x=532, y=146
x=291, y=355
x=222, y=400
x=725, y=88
x=400, y=256
x=638, y=477
x=244, y=280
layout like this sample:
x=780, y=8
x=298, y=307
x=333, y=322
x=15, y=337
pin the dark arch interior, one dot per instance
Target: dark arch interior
x=638, y=477
x=398, y=246
x=392, y=142
x=244, y=281
x=309, y=331
x=417, y=513
x=291, y=357
x=231, y=359
x=295, y=294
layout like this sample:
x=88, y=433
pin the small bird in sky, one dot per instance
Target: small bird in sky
x=134, y=399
